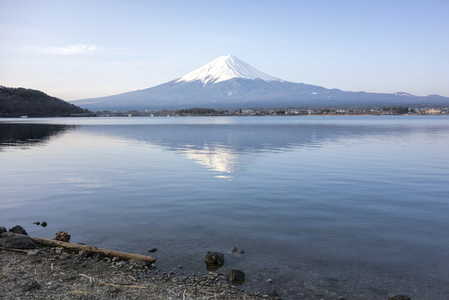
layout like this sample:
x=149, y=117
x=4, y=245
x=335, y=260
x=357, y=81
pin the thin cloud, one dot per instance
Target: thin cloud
x=69, y=50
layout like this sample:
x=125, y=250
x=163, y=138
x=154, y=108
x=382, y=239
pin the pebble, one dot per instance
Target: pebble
x=33, y=252
x=120, y=264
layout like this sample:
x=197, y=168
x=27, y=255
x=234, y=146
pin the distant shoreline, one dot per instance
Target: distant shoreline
x=197, y=112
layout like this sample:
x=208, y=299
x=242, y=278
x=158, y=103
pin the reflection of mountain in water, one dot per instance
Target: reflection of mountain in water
x=225, y=148
x=221, y=148
x=216, y=157
x=23, y=135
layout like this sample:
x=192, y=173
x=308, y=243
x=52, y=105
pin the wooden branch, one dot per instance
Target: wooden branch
x=106, y=252
x=13, y=249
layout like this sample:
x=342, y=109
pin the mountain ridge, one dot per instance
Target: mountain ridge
x=228, y=82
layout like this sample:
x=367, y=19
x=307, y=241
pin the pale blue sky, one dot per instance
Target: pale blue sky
x=82, y=49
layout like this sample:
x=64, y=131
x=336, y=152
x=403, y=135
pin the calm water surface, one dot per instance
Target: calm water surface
x=336, y=206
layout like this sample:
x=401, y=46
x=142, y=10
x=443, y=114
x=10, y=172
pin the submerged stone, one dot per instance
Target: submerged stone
x=236, y=250
x=215, y=258
x=236, y=276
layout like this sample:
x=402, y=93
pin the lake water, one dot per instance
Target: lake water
x=353, y=206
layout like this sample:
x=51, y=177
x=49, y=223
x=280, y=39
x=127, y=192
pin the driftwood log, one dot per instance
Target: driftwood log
x=105, y=252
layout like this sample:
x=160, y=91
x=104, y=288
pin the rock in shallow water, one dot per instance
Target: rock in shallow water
x=236, y=250
x=214, y=258
x=236, y=276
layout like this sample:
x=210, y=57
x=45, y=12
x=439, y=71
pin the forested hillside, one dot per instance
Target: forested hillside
x=16, y=102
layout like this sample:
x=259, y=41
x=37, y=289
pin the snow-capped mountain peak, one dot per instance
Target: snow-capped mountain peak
x=225, y=68
x=403, y=94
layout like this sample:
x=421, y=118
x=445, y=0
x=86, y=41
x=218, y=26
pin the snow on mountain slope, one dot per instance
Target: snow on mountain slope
x=225, y=68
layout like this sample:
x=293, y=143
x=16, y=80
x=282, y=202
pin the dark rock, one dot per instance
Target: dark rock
x=44, y=224
x=18, y=229
x=62, y=236
x=152, y=250
x=18, y=242
x=400, y=297
x=236, y=250
x=236, y=275
x=214, y=258
x=37, y=223
x=2, y=230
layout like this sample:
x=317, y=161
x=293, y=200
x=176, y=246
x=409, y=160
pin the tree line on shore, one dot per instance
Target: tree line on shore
x=18, y=102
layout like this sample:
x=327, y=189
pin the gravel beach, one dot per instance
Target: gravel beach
x=41, y=270
x=53, y=273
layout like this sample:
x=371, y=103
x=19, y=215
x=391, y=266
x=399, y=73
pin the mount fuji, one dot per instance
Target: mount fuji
x=228, y=82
